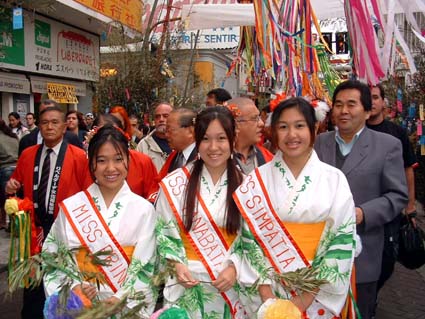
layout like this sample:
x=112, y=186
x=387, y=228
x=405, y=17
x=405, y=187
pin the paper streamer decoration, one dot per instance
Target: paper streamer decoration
x=281, y=44
x=421, y=112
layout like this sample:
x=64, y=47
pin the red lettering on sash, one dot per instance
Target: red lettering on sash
x=287, y=262
x=87, y=228
x=251, y=203
x=270, y=236
x=244, y=188
x=177, y=185
x=281, y=241
x=80, y=208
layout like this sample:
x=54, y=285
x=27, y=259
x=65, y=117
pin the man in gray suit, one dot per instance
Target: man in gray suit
x=373, y=164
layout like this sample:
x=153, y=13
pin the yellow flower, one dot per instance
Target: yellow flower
x=282, y=309
x=11, y=206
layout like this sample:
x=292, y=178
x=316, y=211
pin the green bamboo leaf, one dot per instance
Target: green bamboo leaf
x=343, y=239
x=339, y=254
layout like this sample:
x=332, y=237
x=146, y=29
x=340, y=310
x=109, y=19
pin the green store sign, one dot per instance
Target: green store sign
x=42, y=34
x=12, y=43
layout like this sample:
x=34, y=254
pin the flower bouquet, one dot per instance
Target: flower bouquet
x=19, y=211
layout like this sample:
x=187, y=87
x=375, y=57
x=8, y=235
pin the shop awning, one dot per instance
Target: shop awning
x=14, y=83
x=39, y=85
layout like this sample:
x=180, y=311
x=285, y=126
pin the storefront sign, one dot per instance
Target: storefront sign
x=49, y=47
x=39, y=85
x=61, y=93
x=14, y=83
x=218, y=38
x=128, y=12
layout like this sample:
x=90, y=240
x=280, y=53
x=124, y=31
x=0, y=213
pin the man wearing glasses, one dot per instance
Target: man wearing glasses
x=250, y=126
x=155, y=145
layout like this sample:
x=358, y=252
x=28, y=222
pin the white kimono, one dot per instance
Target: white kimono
x=319, y=194
x=204, y=300
x=131, y=219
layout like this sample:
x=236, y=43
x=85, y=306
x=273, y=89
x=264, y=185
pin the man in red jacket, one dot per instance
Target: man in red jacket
x=48, y=173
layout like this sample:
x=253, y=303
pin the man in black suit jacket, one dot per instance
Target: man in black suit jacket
x=35, y=138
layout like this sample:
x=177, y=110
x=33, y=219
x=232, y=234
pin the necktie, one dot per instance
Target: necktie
x=44, y=180
x=178, y=161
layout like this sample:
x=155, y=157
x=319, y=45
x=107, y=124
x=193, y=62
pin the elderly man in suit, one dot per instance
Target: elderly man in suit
x=35, y=137
x=373, y=164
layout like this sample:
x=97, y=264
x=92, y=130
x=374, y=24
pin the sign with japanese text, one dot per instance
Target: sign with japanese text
x=48, y=47
x=128, y=12
x=61, y=93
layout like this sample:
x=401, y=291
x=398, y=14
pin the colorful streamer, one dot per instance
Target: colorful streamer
x=281, y=44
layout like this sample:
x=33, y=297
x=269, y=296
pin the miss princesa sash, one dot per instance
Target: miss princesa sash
x=254, y=204
x=95, y=235
x=204, y=236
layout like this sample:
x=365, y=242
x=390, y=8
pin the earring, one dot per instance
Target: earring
x=231, y=156
x=198, y=156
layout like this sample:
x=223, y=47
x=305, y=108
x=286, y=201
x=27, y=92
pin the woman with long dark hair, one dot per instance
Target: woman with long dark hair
x=16, y=125
x=199, y=222
x=107, y=216
x=9, y=144
x=300, y=223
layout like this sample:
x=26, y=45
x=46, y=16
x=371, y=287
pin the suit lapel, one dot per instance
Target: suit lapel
x=358, y=152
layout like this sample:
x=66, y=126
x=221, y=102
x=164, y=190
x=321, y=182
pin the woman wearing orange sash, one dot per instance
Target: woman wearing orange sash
x=107, y=217
x=299, y=215
x=198, y=222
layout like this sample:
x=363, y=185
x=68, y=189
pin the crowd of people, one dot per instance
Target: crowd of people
x=234, y=218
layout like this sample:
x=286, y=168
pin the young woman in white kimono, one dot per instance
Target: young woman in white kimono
x=298, y=212
x=107, y=217
x=198, y=222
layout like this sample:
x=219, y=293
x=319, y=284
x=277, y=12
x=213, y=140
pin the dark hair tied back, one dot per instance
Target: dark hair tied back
x=107, y=133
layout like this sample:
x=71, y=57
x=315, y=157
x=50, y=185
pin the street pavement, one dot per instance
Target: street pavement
x=403, y=296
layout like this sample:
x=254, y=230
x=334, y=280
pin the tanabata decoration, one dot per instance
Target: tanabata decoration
x=19, y=211
x=282, y=44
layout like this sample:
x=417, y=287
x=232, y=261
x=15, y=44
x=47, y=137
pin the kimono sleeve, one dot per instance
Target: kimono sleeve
x=138, y=285
x=55, y=242
x=336, y=251
x=170, y=244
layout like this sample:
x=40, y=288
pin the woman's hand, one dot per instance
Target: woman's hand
x=266, y=292
x=88, y=290
x=303, y=301
x=226, y=279
x=111, y=301
x=184, y=277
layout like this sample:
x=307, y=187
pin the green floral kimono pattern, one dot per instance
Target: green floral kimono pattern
x=313, y=202
x=202, y=301
x=132, y=221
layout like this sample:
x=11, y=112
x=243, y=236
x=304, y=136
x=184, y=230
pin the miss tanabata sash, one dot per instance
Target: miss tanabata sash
x=204, y=236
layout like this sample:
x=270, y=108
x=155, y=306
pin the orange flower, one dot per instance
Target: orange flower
x=275, y=102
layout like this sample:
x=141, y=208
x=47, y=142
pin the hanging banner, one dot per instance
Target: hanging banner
x=62, y=93
x=18, y=20
x=128, y=12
